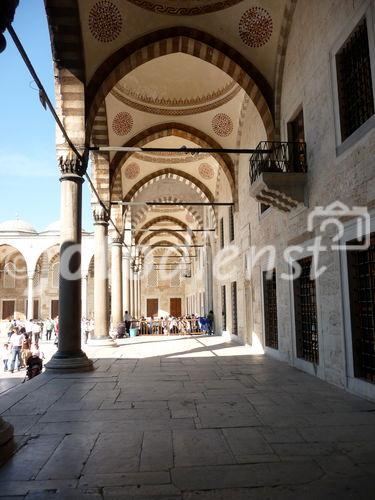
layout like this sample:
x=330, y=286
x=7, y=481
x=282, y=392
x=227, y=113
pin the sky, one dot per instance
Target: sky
x=29, y=176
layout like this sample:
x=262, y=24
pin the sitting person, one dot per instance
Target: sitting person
x=34, y=366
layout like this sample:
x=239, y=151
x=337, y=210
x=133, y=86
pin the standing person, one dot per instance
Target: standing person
x=25, y=349
x=210, y=323
x=49, y=328
x=36, y=331
x=127, y=320
x=15, y=345
x=56, y=329
x=5, y=356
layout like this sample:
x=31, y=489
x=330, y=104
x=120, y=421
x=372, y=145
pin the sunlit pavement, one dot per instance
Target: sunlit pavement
x=186, y=418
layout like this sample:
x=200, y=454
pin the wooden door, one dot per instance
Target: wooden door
x=175, y=307
x=152, y=307
x=8, y=309
x=54, y=308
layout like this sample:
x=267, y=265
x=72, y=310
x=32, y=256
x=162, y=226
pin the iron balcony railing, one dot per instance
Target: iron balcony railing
x=284, y=157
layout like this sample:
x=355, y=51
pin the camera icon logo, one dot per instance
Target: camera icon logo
x=333, y=215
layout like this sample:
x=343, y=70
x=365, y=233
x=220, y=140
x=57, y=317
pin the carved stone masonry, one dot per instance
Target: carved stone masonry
x=71, y=165
x=100, y=215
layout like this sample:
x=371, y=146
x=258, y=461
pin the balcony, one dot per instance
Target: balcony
x=278, y=174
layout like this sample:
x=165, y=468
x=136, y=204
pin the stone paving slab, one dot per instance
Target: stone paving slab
x=187, y=419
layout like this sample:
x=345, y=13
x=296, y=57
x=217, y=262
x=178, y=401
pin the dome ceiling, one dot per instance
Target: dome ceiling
x=163, y=86
x=184, y=7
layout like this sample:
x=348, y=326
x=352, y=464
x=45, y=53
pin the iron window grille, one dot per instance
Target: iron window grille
x=361, y=272
x=270, y=310
x=231, y=223
x=306, y=321
x=355, y=92
x=221, y=233
x=223, y=308
x=234, y=309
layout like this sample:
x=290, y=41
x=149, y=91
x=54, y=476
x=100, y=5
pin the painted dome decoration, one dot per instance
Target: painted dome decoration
x=132, y=170
x=222, y=125
x=255, y=27
x=105, y=21
x=17, y=226
x=122, y=123
x=184, y=7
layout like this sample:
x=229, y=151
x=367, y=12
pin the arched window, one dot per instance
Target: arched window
x=55, y=270
x=152, y=279
x=9, y=279
x=175, y=279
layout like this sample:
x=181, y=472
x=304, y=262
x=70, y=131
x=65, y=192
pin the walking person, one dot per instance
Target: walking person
x=210, y=323
x=15, y=345
x=49, y=328
x=127, y=321
x=5, y=355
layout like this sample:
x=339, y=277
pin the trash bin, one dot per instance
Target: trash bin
x=133, y=331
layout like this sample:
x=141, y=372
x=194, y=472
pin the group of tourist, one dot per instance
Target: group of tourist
x=169, y=325
x=22, y=351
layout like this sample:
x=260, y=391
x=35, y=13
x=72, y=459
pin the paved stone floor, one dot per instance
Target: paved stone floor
x=191, y=419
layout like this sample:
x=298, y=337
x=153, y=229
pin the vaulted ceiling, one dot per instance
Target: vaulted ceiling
x=167, y=74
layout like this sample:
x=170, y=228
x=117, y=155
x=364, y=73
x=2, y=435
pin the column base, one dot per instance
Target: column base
x=102, y=341
x=67, y=363
x=7, y=444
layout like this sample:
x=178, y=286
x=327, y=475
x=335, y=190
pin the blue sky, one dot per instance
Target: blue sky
x=29, y=180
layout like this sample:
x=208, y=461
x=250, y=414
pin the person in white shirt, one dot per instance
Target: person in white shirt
x=15, y=343
x=127, y=321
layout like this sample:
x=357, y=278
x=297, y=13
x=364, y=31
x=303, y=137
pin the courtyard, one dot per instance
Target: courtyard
x=186, y=418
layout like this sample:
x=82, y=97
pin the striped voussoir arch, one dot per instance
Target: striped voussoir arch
x=65, y=32
x=162, y=219
x=191, y=210
x=188, y=41
x=163, y=233
x=282, y=45
x=166, y=130
x=170, y=173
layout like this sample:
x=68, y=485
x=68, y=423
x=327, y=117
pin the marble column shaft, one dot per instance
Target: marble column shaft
x=101, y=311
x=116, y=282
x=69, y=355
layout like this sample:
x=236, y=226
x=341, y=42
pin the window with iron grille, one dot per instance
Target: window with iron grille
x=223, y=308
x=356, y=98
x=296, y=136
x=231, y=223
x=270, y=310
x=234, y=309
x=306, y=320
x=221, y=233
x=361, y=273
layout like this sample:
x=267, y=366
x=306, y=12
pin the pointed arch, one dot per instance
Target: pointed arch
x=188, y=41
x=177, y=130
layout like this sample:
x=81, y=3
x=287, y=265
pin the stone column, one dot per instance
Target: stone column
x=139, y=290
x=135, y=289
x=69, y=356
x=126, y=282
x=101, y=302
x=84, y=293
x=131, y=290
x=30, y=297
x=116, y=278
x=208, y=278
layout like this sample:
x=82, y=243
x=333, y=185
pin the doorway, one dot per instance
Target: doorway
x=152, y=307
x=175, y=307
x=54, y=308
x=8, y=309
